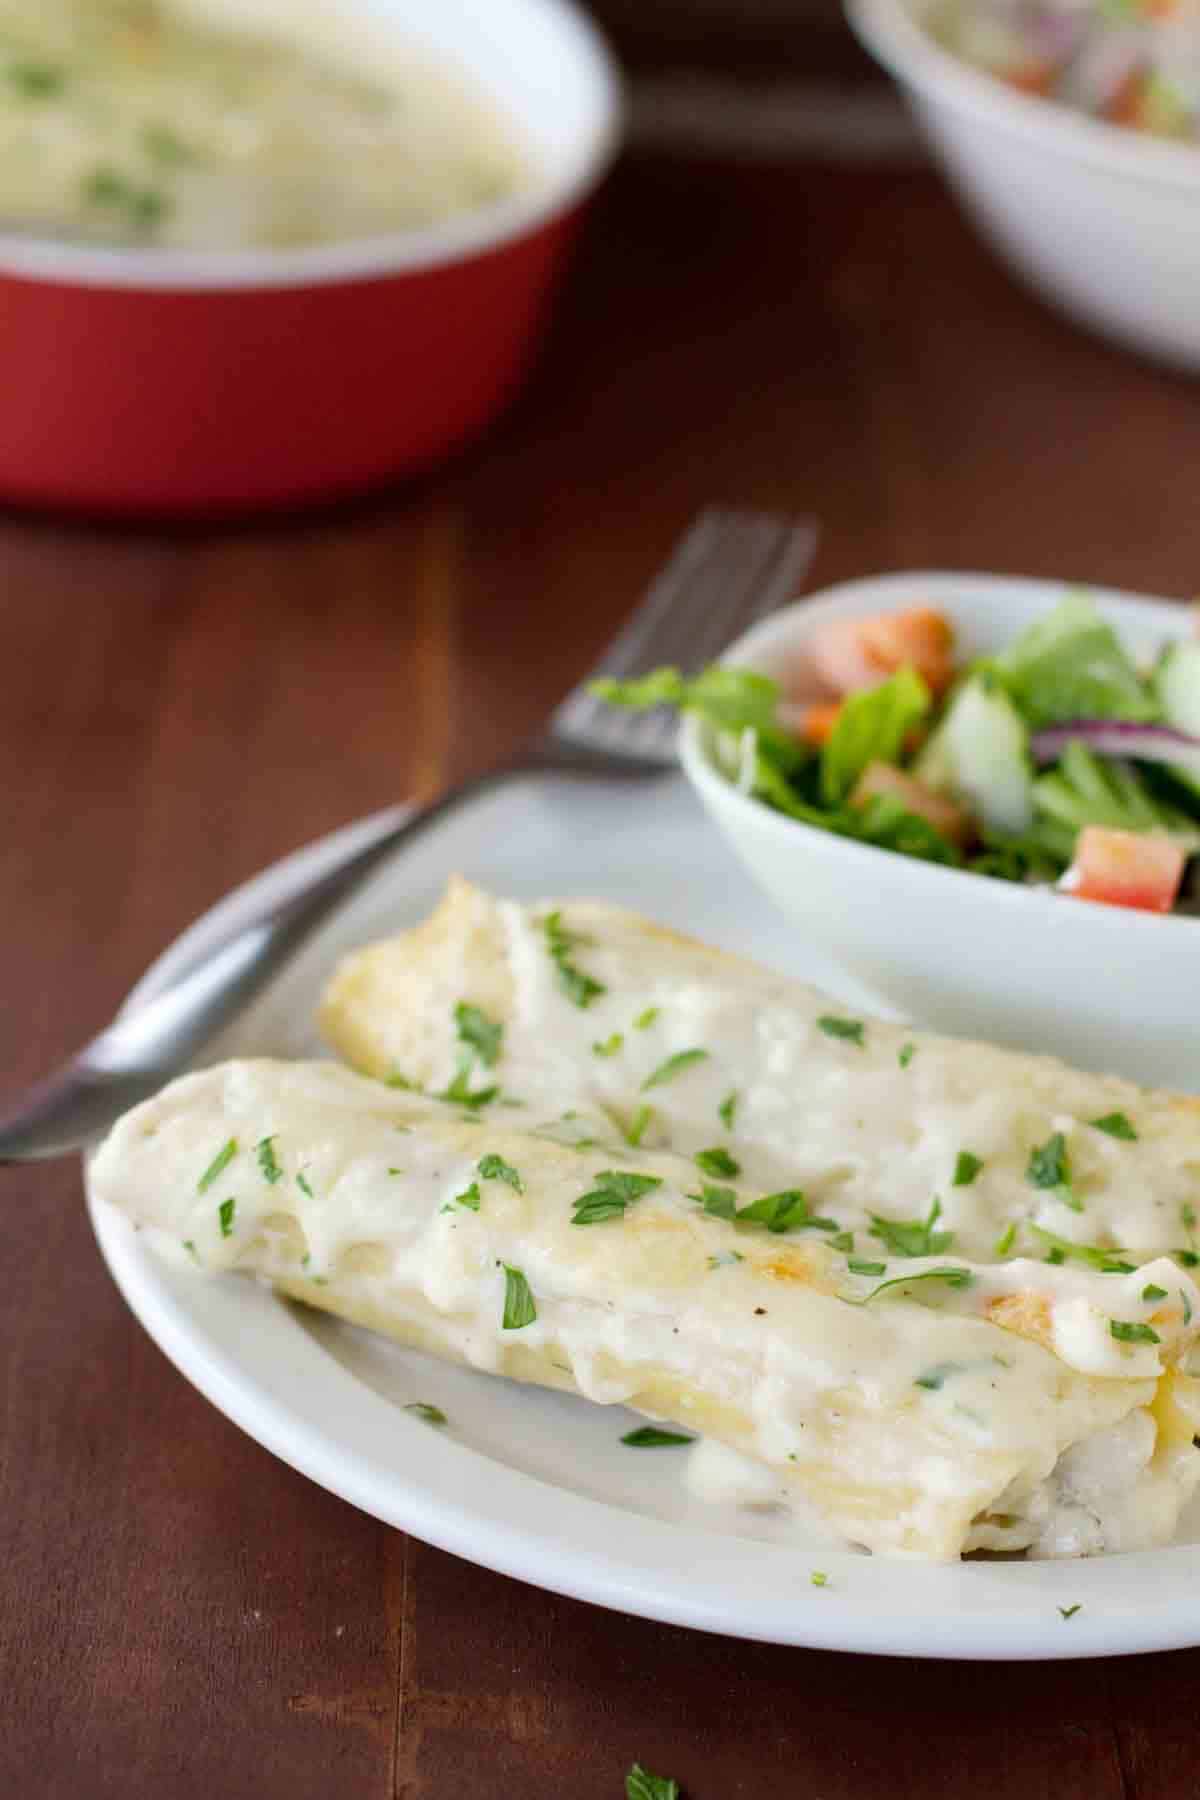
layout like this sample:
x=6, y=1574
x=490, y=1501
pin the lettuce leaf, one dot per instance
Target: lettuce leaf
x=1085, y=789
x=730, y=699
x=872, y=727
x=1071, y=665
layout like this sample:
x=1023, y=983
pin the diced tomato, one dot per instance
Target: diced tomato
x=1125, y=868
x=1032, y=76
x=850, y=654
x=915, y=797
x=814, y=724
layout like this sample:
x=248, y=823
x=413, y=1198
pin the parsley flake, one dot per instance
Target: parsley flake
x=819, y=1578
x=674, y=1065
x=852, y=1030
x=1050, y=1167
x=955, y=1278
x=398, y=1080
x=858, y=1266
x=225, y=1214
x=432, y=1415
x=608, y=1046
x=483, y=1035
x=727, y=1109
x=302, y=1183
x=579, y=988
x=906, y=1054
x=651, y=1437
x=1187, y=1307
x=468, y=1198
x=1005, y=1241
x=717, y=1162
x=1068, y=1612
x=1117, y=1125
x=267, y=1162
x=645, y=1020
x=842, y=1240
x=966, y=1167
x=220, y=1162
x=36, y=80
x=460, y=1092
x=720, y=1202
x=1105, y=1262
x=519, y=1309
x=785, y=1211
x=1128, y=1331
x=725, y=1259
x=1151, y=1292
x=640, y=1784
x=190, y=1247
x=615, y=1190
x=494, y=1168
x=936, y=1377
x=635, y=1131
x=912, y=1237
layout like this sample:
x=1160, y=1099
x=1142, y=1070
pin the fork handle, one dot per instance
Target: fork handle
x=145, y=1046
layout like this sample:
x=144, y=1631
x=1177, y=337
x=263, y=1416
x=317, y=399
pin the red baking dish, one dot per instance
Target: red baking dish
x=185, y=382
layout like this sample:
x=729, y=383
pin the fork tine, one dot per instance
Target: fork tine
x=729, y=569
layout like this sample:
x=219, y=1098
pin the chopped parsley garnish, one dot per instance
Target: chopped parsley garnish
x=1068, y=1612
x=613, y=1193
x=398, y=1080
x=937, y=1377
x=906, y=1054
x=674, y=1065
x=645, y=1020
x=858, y=1266
x=460, y=1093
x=650, y=1437
x=912, y=1237
x=219, y=1163
x=1128, y=1331
x=785, y=1211
x=161, y=143
x=1005, y=1241
x=432, y=1415
x=966, y=1167
x=727, y=1110
x=1117, y=1125
x=144, y=206
x=36, y=80
x=1151, y=1292
x=640, y=1784
x=494, y=1168
x=225, y=1214
x=1187, y=1307
x=852, y=1030
x=1187, y=1258
x=955, y=1278
x=519, y=1309
x=468, y=1198
x=819, y=1578
x=608, y=1046
x=579, y=988
x=191, y=1249
x=717, y=1162
x=725, y=1259
x=635, y=1131
x=267, y=1161
x=1187, y=1214
x=842, y=1240
x=1050, y=1167
x=1105, y=1262
x=302, y=1183
x=482, y=1034
x=721, y=1202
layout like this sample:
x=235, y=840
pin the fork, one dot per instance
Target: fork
x=730, y=569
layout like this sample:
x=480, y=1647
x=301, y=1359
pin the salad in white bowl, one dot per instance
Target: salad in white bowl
x=980, y=796
x=1058, y=759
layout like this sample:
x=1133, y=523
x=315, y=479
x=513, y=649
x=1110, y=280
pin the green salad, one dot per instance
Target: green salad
x=1058, y=760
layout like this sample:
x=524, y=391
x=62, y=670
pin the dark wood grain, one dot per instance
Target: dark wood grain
x=181, y=1616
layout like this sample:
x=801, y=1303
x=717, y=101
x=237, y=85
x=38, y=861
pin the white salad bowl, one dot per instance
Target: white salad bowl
x=1102, y=986
x=1101, y=220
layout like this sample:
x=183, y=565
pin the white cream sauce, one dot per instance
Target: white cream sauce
x=122, y=121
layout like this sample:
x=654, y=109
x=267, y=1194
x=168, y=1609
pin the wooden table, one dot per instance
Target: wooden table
x=182, y=1617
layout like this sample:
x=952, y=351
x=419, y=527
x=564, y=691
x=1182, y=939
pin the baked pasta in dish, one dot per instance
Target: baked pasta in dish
x=945, y=1293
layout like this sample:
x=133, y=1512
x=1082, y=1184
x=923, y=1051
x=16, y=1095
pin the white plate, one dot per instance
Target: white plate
x=537, y=1484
